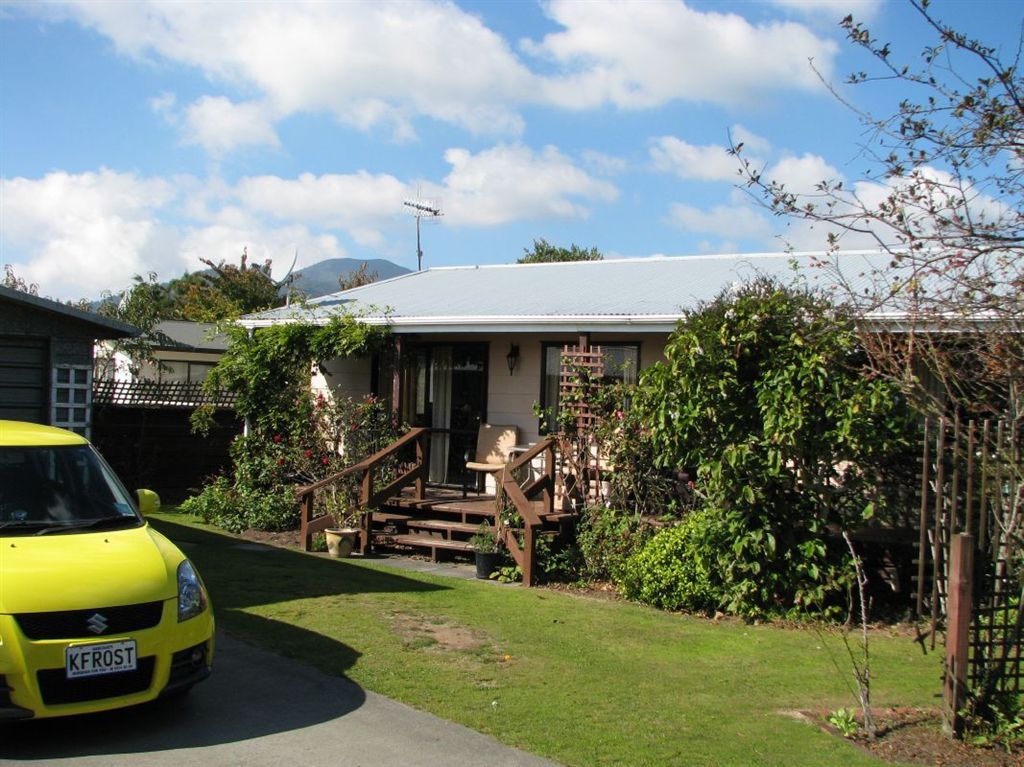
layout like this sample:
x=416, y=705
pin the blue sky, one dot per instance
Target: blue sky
x=143, y=136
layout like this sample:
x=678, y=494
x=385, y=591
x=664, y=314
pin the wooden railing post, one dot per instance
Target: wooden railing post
x=529, y=553
x=306, y=516
x=365, y=520
x=421, y=461
x=961, y=578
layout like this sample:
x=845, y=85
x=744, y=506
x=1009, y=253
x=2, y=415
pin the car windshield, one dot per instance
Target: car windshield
x=60, y=489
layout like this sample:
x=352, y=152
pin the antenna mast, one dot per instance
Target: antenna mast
x=421, y=209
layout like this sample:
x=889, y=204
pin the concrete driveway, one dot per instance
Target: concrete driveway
x=259, y=709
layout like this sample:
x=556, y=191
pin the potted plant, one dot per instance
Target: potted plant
x=343, y=536
x=486, y=550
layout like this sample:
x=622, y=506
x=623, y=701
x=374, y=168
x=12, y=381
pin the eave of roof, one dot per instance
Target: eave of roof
x=110, y=328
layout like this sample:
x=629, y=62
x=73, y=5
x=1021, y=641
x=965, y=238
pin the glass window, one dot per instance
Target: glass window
x=198, y=371
x=72, y=384
x=61, y=488
x=621, y=363
x=173, y=370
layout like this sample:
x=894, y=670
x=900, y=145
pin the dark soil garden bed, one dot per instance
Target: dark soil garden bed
x=914, y=736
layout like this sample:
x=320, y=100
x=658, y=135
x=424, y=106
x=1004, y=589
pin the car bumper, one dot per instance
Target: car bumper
x=171, y=656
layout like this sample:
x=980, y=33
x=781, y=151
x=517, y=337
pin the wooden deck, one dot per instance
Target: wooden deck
x=403, y=512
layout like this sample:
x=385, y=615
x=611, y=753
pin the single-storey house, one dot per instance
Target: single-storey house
x=482, y=344
x=182, y=352
x=46, y=359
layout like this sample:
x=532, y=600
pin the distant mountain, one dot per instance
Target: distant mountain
x=322, y=278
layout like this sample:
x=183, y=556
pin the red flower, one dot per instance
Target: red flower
x=277, y=439
x=325, y=460
x=309, y=454
x=355, y=426
x=280, y=461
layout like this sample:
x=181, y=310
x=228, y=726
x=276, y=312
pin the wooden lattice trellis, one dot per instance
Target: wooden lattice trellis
x=972, y=484
x=158, y=394
x=582, y=367
x=582, y=371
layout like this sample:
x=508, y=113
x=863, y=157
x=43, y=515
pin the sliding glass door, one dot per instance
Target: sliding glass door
x=446, y=390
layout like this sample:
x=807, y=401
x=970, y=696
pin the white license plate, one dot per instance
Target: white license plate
x=101, y=658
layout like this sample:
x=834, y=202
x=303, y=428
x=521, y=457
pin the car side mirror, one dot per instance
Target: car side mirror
x=149, y=501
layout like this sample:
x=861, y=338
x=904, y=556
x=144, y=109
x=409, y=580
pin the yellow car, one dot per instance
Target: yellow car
x=97, y=609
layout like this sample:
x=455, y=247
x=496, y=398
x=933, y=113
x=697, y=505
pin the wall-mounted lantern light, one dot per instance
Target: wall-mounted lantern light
x=512, y=358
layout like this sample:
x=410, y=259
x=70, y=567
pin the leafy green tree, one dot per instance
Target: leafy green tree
x=764, y=392
x=227, y=291
x=544, y=252
x=14, y=282
x=358, y=277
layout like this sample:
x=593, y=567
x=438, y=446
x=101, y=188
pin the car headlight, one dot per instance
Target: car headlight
x=191, y=592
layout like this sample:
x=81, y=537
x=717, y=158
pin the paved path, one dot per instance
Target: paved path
x=259, y=709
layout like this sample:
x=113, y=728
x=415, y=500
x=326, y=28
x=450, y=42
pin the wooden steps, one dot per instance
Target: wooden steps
x=443, y=526
x=443, y=522
x=433, y=544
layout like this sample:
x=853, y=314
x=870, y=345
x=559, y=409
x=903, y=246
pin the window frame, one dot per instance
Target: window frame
x=544, y=425
x=81, y=425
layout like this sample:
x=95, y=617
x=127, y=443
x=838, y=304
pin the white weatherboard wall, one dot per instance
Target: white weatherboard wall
x=510, y=398
x=343, y=377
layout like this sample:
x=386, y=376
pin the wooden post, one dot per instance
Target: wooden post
x=550, y=473
x=396, y=378
x=529, y=554
x=366, y=521
x=939, y=569
x=306, y=506
x=961, y=578
x=922, y=543
x=421, y=465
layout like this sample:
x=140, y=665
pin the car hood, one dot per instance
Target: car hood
x=79, y=571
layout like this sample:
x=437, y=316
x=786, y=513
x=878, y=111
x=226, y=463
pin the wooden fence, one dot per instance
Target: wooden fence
x=971, y=496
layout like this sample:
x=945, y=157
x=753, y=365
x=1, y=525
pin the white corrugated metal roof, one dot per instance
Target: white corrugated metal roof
x=627, y=293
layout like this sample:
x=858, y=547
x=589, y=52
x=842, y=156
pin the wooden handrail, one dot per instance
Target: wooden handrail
x=520, y=497
x=525, y=457
x=311, y=525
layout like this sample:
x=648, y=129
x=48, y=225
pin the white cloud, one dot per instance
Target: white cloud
x=225, y=241
x=367, y=63
x=801, y=174
x=77, y=235
x=704, y=163
x=332, y=200
x=218, y=125
x=382, y=65
x=722, y=220
x=641, y=55
x=513, y=183
x=605, y=164
x=752, y=143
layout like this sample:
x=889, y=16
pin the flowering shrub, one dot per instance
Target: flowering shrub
x=267, y=469
x=295, y=437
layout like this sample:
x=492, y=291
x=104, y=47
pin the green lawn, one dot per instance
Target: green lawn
x=583, y=681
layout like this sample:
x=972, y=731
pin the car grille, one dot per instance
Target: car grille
x=56, y=688
x=71, y=624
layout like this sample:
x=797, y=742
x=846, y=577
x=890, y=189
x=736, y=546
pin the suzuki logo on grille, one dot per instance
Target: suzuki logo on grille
x=97, y=623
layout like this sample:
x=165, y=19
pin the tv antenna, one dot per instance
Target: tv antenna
x=431, y=210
